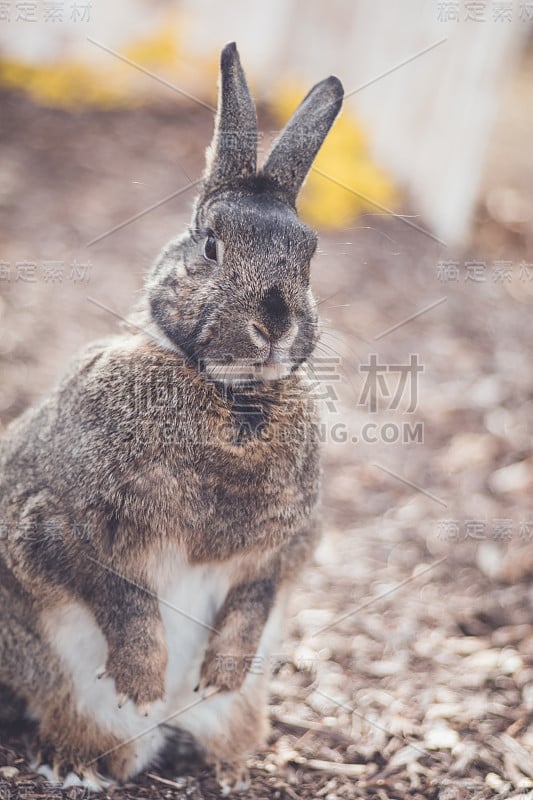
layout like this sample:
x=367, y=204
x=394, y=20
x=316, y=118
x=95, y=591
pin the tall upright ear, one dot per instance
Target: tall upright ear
x=233, y=151
x=295, y=149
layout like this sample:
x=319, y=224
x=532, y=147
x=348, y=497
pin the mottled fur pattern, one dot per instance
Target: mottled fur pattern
x=181, y=456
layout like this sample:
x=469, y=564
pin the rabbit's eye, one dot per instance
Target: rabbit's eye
x=213, y=249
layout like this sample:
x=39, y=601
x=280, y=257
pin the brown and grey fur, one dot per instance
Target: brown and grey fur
x=180, y=456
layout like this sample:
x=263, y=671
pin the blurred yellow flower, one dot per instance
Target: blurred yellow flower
x=66, y=83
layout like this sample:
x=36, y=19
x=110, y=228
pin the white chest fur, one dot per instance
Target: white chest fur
x=190, y=597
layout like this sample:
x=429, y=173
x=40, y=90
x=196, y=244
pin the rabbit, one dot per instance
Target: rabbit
x=157, y=506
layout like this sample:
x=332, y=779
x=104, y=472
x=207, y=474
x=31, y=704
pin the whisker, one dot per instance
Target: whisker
x=329, y=297
x=377, y=230
x=323, y=347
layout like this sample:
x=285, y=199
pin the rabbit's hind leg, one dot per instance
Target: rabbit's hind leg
x=18, y=640
x=243, y=724
x=70, y=746
x=12, y=707
x=67, y=748
x=65, y=743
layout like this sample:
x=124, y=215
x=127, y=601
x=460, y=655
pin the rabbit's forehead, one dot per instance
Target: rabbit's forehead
x=254, y=221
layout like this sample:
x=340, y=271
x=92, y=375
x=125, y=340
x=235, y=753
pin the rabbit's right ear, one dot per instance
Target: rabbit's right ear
x=295, y=149
x=233, y=151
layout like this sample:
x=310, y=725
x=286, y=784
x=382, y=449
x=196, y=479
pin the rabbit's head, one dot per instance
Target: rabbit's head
x=233, y=292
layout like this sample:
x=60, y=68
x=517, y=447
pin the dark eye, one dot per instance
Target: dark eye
x=213, y=249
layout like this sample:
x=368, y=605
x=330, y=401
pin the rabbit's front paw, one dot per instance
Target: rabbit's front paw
x=138, y=668
x=223, y=669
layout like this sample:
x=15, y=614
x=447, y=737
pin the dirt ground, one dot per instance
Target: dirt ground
x=407, y=668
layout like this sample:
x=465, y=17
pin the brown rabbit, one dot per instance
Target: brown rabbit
x=156, y=506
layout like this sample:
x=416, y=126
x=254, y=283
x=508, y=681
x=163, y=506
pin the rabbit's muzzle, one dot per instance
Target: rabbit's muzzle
x=273, y=348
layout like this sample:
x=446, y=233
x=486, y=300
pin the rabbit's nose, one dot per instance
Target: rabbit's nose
x=274, y=308
x=262, y=337
x=274, y=315
x=259, y=334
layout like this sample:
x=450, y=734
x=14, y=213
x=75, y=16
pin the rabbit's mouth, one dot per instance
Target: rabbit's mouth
x=275, y=357
x=278, y=359
x=249, y=371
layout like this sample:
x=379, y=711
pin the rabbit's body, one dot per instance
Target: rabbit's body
x=161, y=508
x=157, y=504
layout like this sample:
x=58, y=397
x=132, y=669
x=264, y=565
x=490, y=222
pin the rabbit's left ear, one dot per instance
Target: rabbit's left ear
x=295, y=149
x=233, y=151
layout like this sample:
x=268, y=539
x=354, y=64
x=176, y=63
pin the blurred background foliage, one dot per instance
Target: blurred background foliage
x=74, y=84
x=423, y=99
